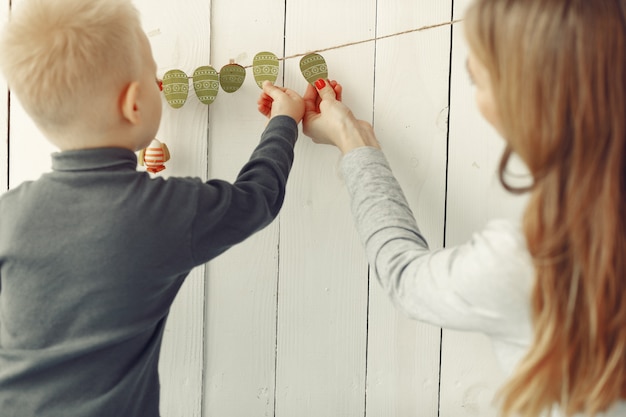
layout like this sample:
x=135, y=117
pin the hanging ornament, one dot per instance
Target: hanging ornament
x=206, y=84
x=313, y=67
x=265, y=68
x=176, y=88
x=154, y=156
x=232, y=77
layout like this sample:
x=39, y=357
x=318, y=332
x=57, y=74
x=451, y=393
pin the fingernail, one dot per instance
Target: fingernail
x=320, y=84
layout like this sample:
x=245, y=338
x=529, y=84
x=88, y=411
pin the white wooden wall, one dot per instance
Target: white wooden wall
x=290, y=322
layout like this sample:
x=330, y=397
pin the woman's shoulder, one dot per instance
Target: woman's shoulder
x=500, y=247
x=498, y=274
x=503, y=234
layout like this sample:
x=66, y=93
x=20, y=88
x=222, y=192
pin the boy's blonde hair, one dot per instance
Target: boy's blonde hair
x=66, y=59
x=558, y=71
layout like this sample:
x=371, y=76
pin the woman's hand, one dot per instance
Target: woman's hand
x=327, y=120
x=279, y=101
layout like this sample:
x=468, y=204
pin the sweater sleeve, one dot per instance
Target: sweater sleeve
x=482, y=285
x=227, y=213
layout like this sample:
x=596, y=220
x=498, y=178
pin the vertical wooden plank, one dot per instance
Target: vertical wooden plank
x=180, y=39
x=4, y=115
x=470, y=374
x=322, y=298
x=410, y=121
x=241, y=296
x=29, y=150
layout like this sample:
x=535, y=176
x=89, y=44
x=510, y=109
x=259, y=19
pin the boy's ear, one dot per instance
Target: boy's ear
x=129, y=103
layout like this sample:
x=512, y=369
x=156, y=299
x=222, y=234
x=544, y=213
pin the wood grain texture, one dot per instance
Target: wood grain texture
x=4, y=115
x=29, y=155
x=322, y=315
x=179, y=37
x=30, y=151
x=470, y=374
x=410, y=121
x=242, y=283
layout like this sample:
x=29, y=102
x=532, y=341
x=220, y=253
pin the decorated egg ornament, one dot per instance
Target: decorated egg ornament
x=265, y=68
x=154, y=156
x=313, y=67
x=232, y=77
x=206, y=84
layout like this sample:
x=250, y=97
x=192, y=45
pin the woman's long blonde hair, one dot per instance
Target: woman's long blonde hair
x=558, y=71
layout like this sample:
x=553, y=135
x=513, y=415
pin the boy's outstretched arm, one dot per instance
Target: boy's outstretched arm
x=227, y=213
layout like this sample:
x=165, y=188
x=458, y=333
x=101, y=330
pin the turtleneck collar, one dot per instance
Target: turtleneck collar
x=115, y=159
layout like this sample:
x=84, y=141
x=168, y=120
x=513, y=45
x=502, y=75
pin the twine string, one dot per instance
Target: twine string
x=345, y=45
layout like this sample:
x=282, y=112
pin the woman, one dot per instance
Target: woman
x=550, y=76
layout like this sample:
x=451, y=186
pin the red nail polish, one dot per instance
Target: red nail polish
x=320, y=84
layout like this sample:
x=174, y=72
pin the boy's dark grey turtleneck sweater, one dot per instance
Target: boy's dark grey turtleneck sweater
x=91, y=257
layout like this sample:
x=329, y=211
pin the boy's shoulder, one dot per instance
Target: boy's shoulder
x=16, y=191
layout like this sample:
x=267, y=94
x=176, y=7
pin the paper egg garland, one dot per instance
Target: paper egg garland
x=206, y=80
x=265, y=68
x=313, y=67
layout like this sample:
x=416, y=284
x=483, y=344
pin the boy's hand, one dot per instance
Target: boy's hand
x=279, y=101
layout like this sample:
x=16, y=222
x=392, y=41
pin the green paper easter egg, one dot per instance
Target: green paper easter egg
x=265, y=68
x=206, y=84
x=232, y=77
x=175, y=88
x=313, y=67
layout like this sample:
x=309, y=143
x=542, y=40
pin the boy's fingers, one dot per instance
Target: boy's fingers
x=271, y=90
x=268, y=87
x=292, y=94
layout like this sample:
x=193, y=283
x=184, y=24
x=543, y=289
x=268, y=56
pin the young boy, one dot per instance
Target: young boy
x=86, y=277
